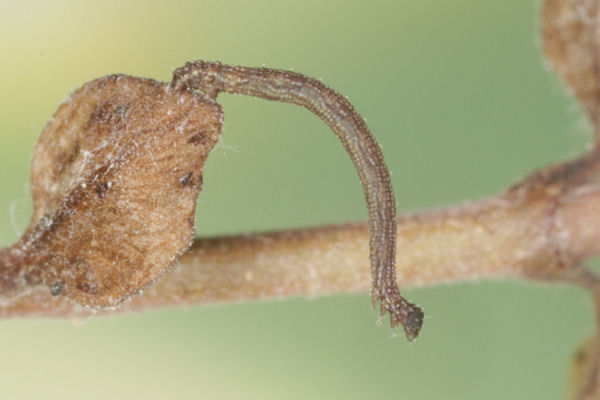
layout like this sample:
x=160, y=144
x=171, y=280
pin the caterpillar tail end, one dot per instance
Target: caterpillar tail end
x=409, y=315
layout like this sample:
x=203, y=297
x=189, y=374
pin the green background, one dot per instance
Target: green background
x=456, y=93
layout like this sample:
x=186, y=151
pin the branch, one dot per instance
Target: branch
x=539, y=229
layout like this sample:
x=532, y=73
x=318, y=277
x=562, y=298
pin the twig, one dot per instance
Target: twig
x=501, y=237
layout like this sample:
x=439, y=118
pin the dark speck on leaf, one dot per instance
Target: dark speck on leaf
x=56, y=288
x=101, y=189
x=187, y=179
x=197, y=138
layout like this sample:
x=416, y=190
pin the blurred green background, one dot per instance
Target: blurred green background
x=457, y=95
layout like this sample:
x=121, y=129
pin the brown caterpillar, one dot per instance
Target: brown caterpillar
x=211, y=78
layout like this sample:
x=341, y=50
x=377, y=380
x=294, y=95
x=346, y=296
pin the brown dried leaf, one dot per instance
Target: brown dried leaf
x=115, y=177
x=571, y=38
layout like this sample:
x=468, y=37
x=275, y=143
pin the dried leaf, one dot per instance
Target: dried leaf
x=115, y=177
x=571, y=38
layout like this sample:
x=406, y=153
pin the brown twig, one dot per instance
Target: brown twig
x=506, y=236
x=571, y=40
